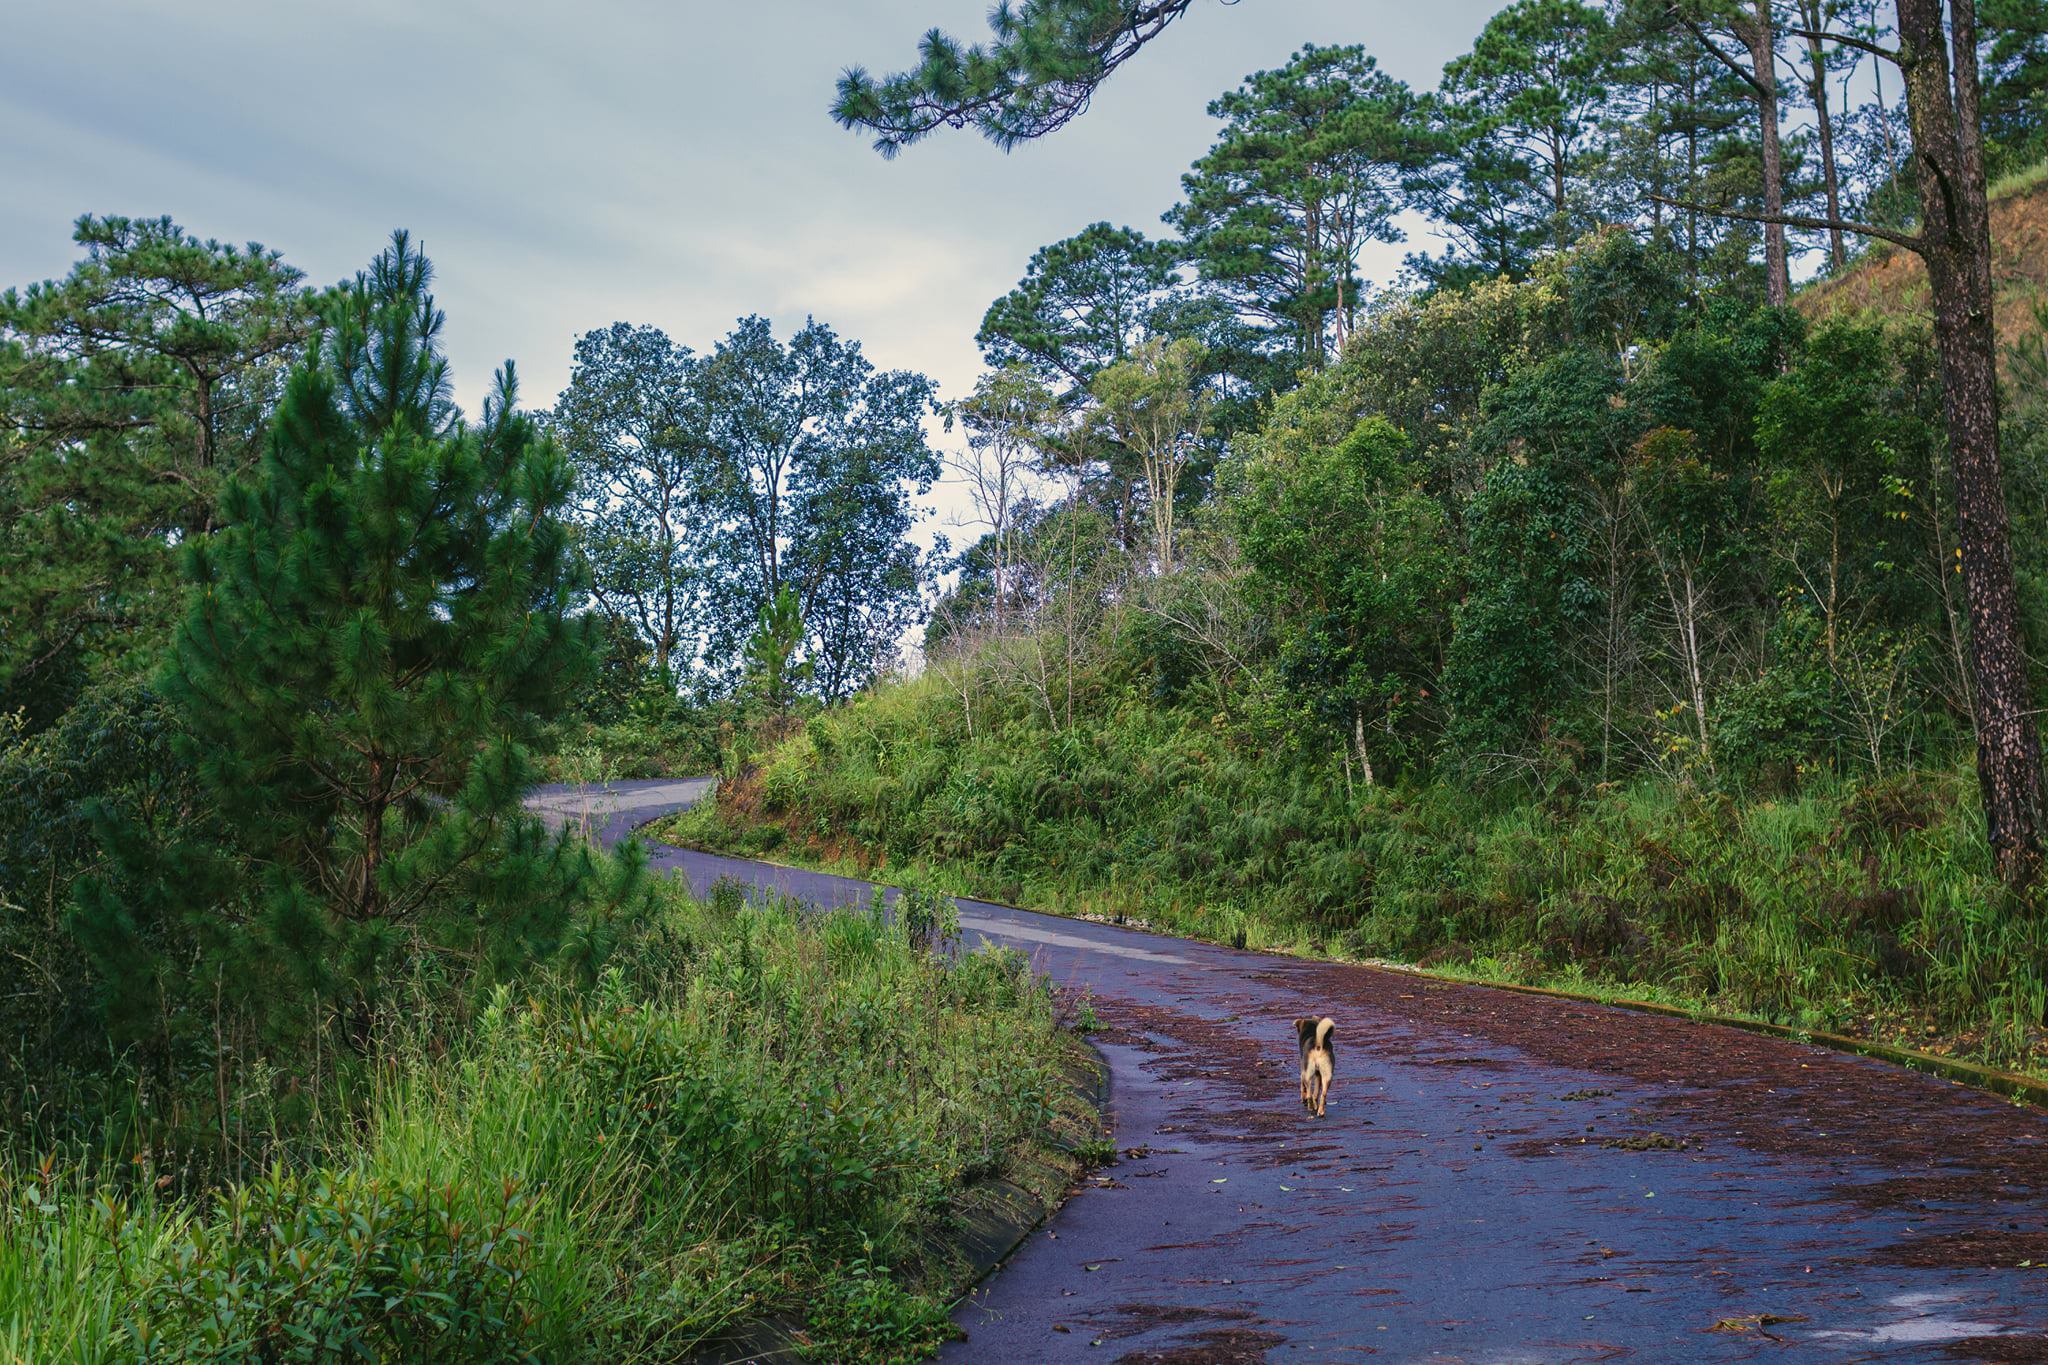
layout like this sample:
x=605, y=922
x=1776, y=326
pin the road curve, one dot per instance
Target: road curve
x=1501, y=1178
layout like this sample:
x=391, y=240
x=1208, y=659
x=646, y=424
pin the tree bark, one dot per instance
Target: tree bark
x=1817, y=87
x=1955, y=230
x=1760, y=37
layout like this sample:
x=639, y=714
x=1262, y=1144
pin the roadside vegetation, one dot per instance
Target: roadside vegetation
x=752, y=1128
x=1577, y=631
x=315, y=1045
x=1860, y=906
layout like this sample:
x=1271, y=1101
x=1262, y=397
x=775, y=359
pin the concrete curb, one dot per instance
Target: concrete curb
x=1001, y=1214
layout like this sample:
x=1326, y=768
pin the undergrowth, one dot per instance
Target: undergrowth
x=753, y=1130
x=1859, y=905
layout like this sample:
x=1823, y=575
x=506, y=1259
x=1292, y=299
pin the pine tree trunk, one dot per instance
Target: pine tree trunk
x=1557, y=190
x=1692, y=170
x=1838, y=255
x=1761, y=39
x=1957, y=247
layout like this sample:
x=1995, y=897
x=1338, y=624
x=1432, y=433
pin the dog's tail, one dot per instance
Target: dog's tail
x=1326, y=1029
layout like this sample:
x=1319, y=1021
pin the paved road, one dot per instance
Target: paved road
x=1501, y=1178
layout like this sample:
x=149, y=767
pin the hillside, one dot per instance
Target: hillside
x=1891, y=282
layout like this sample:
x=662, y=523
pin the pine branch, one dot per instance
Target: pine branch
x=1911, y=242
x=1846, y=40
x=1039, y=72
x=1749, y=78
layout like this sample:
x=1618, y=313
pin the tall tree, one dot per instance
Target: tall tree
x=1753, y=24
x=1305, y=172
x=810, y=458
x=625, y=422
x=1943, y=105
x=130, y=393
x=1530, y=92
x=1672, y=105
x=1816, y=18
x=373, y=633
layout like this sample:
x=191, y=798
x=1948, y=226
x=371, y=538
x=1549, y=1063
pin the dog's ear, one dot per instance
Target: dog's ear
x=1303, y=1027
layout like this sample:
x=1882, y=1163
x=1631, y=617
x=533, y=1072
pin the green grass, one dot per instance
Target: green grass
x=1853, y=905
x=756, y=1118
x=2020, y=181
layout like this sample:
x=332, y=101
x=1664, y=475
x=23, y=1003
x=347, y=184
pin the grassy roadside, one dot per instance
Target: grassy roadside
x=760, y=1126
x=1861, y=908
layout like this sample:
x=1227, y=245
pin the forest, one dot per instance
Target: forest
x=1633, y=595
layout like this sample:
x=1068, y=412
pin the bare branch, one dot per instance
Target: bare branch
x=1911, y=242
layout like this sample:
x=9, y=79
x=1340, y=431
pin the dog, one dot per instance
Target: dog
x=1318, y=1061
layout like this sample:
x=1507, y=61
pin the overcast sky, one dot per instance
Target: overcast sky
x=568, y=165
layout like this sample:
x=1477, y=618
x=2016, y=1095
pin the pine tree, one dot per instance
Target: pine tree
x=373, y=635
x=1305, y=172
x=130, y=392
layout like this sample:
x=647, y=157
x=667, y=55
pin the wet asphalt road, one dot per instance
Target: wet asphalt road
x=1501, y=1178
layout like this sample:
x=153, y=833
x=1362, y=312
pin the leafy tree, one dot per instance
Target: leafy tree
x=1151, y=405
x=131, y=391
x=1306, y=170
x=810, y=458
x=1553, y=440
x=626, y=421
x=1427, y=362
x=374, y=632
x=1841, y=448
x=773, y=675
x=1354, y=562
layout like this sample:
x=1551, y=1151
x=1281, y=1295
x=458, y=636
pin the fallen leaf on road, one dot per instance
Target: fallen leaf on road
x=1754, y=1322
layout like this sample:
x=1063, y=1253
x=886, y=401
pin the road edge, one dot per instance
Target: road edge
x=2009, y=1084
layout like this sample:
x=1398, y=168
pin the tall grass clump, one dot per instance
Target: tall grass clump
x=756, y=1123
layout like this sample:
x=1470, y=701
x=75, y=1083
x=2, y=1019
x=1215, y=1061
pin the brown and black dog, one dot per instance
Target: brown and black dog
x=1318, y=1061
